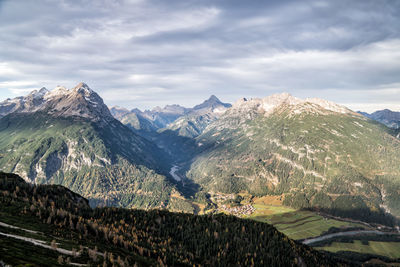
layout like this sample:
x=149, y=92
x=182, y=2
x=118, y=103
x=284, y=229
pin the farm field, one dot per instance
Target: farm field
x=297, y=224
x=387, y=249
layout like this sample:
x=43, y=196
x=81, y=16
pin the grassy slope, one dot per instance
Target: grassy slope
x=301, y=154
x=387, y=249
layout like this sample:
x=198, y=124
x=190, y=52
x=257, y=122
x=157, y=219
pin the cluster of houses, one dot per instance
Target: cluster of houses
x=238, y=210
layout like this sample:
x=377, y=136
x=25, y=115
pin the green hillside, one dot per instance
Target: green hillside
x=342, y=163
x=107, y=163
x=67, y=231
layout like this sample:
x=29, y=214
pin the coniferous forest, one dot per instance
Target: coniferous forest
x=122, y=237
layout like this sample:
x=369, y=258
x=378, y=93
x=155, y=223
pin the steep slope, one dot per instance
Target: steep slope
x=389, y=118
x=318, y=154
x=71, y=139
x=68, y=232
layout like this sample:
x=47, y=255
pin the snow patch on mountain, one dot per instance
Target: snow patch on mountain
x=79, y=101
x=270, y=103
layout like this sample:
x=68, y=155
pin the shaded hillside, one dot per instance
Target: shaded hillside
x=123, y=237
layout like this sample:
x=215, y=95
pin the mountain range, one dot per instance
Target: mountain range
x=69, y=137
x=313, y=153
x=188, y=122
x=389, y=118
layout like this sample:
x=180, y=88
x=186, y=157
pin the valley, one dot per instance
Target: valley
x=318, y=172
x=67, y=231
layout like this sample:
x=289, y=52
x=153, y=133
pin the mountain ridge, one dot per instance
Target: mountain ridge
x=79, y=101
x=284, y=145
x=386, y=116
x=69, y=137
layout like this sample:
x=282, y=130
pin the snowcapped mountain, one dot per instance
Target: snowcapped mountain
x=270, y=103
x=79, y=101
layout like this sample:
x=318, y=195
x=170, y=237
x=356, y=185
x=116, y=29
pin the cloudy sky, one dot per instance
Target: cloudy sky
x=140, y=53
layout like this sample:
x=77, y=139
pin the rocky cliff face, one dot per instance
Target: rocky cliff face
x=80, y=101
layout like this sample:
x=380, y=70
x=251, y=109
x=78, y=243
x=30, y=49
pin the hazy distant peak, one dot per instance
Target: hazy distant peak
x=386, y=116
x=212, y=103
x=213, y=98
x=38, y=93
x=172, y=109
x=119, y=108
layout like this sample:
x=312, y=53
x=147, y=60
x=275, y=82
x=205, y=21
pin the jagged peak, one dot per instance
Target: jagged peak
x=83, y=87
x=328, y=105
x=136, y=110
x=269, y=103
x=57, y=91
x=213, y=98
x=119, y=108
x=212, y=102
x=173, y=109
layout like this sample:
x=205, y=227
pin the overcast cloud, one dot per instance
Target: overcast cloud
x=140, y=53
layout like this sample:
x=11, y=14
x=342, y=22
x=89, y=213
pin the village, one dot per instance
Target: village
x=238, y=210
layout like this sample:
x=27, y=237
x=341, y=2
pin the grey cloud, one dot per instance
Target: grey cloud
x=183, y=51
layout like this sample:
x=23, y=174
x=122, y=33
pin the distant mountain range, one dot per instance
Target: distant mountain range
x=312, y=152
x=389, y=118
x=185, y=121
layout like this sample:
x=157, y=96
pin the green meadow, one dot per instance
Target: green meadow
x=387, y=249
x=297, y=224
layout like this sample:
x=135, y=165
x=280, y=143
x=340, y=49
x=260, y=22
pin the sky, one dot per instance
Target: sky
x=142, y=54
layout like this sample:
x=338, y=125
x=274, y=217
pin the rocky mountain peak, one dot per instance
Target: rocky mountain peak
x=211, y=104
x=268, y=104
x=79, y=101
x=38, y=93
x=83, y=89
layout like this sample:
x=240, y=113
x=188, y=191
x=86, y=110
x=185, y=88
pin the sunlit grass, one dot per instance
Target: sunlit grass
x=388, y=249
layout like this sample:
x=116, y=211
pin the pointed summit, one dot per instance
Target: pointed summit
x=38, y=94
x=82, y=87
x=212, y=103
x=213, y=98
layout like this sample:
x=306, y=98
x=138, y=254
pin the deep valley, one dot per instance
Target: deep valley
x=319, y=173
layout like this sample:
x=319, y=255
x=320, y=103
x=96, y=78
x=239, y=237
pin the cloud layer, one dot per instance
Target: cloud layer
x=141, y=53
